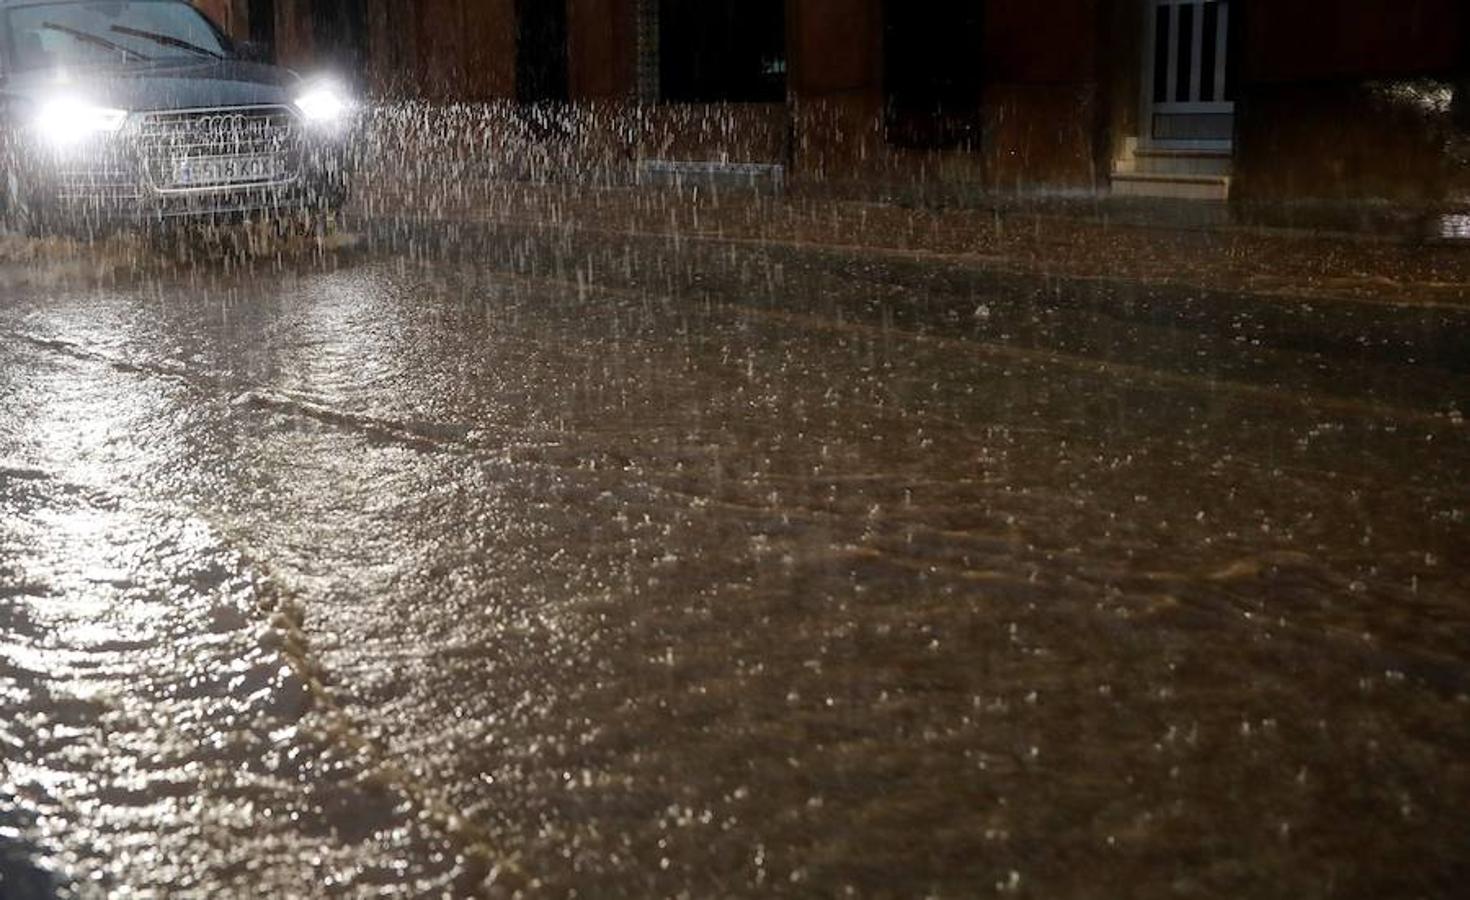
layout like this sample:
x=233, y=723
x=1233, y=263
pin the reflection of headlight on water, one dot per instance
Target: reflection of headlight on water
x=324, y=105
x=66, y=121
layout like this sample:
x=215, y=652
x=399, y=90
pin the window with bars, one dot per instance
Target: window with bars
x=541, y=52
x=1191, y=41
x=1190, y=88
x=722, y=51
x=932, y=73
x=261, y=15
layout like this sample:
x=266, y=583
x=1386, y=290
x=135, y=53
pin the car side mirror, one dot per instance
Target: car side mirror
x=255, y=51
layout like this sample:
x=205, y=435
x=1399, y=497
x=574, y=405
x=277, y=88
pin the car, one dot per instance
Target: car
x=144, y=112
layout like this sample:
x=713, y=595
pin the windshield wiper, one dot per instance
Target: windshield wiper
x=96, y=40
x=166, y=40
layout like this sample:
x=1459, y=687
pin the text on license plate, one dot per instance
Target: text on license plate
x=215, y=170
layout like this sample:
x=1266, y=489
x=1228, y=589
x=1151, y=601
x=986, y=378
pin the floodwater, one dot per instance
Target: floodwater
x=367, y=575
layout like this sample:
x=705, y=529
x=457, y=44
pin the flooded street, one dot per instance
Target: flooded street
x=720, y=572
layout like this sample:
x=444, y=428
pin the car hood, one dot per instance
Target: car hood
x=141, y=88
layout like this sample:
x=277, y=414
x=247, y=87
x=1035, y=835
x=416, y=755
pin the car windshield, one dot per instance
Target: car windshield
x=103, y=32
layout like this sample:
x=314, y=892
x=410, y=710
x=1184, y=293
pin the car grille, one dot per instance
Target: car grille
x=166, y=138
x=99, y=182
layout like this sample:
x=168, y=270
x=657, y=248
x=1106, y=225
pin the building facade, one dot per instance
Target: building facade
x=1263, y=101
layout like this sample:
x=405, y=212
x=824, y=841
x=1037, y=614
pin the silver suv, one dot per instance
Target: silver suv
x=144, y=111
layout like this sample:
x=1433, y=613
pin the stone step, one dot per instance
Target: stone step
x=1169, y=161
x=1171, y=186
x=678, y=173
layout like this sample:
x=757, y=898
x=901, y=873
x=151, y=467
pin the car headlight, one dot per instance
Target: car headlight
x=66, y=120
x=324, y=104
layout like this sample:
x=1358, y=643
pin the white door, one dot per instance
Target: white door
x=1188, y=100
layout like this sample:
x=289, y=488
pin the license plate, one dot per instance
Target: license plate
x=208, y=171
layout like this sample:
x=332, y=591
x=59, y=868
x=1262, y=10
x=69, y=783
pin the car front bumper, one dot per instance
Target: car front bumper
x=124, y=179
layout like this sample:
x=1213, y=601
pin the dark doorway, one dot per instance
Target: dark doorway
x=261, y=15
x=722, y=51
x=932, y=72
x=339, y=28
x=541, y=51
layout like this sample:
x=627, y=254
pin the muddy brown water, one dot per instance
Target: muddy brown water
x=358, y=575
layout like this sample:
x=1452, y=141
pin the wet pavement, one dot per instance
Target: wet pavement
x=655, y=572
